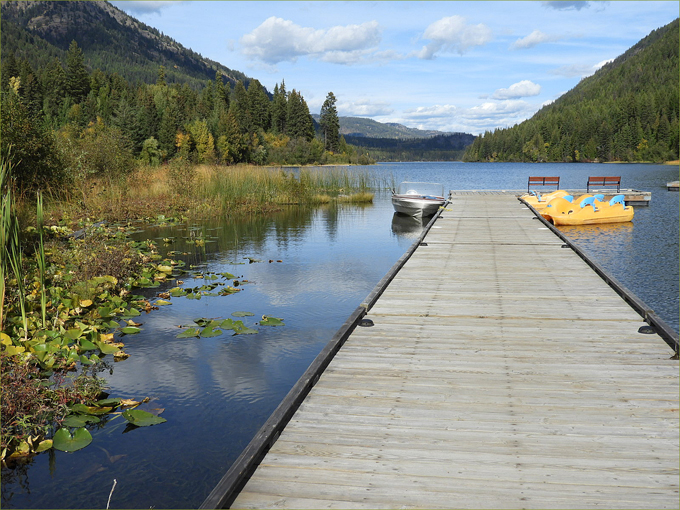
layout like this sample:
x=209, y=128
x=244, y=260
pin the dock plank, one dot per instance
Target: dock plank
x=501, y=372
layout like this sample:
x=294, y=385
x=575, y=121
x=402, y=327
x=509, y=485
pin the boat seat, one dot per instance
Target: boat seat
x=588, y=201
x=618, y=199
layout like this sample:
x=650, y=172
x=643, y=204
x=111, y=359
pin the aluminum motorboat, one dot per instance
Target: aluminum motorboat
x=418, y=198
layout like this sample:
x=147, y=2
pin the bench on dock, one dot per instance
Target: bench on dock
x=604, y=181
x=543, y=181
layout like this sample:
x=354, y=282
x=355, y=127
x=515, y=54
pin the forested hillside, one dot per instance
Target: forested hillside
x=626, y=111
x=111, y=41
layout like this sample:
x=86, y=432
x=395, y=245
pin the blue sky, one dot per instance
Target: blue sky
x=465, y=66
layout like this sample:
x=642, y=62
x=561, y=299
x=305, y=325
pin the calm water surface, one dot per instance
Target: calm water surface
x=217, y=392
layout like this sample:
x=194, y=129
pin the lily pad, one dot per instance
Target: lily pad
x=190, y=333
x=92, y=410
x=107, y=348
x=130, y=330
x=162, y=302
x=241, y=329
x=73, y=334
x=142, y=418
x=86, y=345
x=210, y=332
x=177, y=292
x=228, y=290
x=271, y=321
x=64, y=441
x=79, y=420
x=85, y=360
x=44, y=445
x=108, y=402
x=104, y=312
x=242, y=314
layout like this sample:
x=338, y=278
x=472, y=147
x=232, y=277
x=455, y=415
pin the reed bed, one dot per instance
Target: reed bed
x=185, y=189
x=247, y=187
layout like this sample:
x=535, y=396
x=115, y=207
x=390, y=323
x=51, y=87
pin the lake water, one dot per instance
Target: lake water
x=312, y=268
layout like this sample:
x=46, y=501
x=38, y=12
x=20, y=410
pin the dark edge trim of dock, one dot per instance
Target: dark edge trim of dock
x=228, y=488
x=648, y=315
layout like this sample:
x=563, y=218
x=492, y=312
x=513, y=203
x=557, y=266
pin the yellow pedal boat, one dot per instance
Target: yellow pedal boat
x=588, y=210
x=539, y=201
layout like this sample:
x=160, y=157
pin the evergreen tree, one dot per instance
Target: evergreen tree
x=53, y=80
x=161, y=77
x=259, y=106
x=279, y=108
x=77, y=78
x=10, y=69
x=238, y=106
x=221, y=93
x=299, y=123
x=330, y=124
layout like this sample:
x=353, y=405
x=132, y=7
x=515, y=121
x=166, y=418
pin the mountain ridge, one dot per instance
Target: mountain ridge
x=358, y=127
x=110, y=39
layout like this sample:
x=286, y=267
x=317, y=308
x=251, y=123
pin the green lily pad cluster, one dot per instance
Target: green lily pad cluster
x=156, y=273
x=80, y=328
x=84, y=415
x=60, y=323
x=208, y=289
x=207, y=328
x=73, y=434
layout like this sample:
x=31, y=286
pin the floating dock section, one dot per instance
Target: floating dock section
x=495, y=368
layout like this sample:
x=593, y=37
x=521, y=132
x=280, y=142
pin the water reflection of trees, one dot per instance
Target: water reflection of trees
x=239, y=237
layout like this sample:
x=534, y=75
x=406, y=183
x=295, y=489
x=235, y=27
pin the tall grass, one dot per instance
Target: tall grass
x=40, y=257
x=11, y=254
x=247, y=188
x=209, y=190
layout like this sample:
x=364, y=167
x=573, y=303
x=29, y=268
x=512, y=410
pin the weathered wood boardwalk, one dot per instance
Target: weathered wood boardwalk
x=501, y=372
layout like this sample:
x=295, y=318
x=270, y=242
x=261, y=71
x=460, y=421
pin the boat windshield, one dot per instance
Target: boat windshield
x=421, y=188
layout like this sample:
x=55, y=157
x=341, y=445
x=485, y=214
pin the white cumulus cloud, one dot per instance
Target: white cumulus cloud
x=533, y=39
x=428, y=112
x=365, y=108
x=490, y=115
x=453, y=34
x=524, y=88
x=277, y=40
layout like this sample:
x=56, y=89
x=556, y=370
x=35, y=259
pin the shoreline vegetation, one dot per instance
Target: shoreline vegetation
x=69, y=272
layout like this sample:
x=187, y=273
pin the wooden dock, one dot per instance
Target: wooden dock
x=500, y=372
